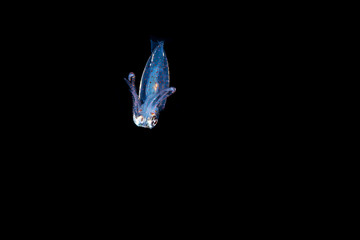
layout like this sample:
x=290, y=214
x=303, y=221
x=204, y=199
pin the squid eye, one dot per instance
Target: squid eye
x=141, y=118
x=155, y=122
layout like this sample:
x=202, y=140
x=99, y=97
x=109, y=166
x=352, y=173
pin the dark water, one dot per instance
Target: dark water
x=74, y=127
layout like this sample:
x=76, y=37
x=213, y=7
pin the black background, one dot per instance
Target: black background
x=221, y=125
x=217, y=65
x=224, y=67
x=223, y=152
x=219, y=141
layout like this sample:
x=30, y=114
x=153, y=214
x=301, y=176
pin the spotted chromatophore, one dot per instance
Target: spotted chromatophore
x=154, y=88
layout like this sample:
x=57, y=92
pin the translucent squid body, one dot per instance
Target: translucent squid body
x=154, y=88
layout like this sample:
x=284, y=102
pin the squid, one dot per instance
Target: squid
x=154, y=88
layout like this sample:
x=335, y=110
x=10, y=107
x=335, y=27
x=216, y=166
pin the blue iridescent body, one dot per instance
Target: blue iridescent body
x=154, y=88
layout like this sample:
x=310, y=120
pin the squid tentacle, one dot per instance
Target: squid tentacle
x=160, y=96
x=135, y=98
